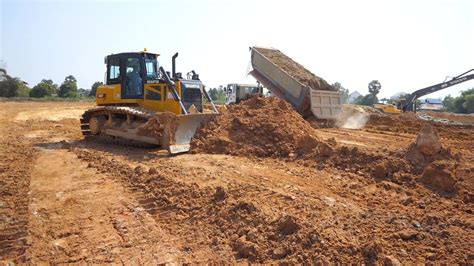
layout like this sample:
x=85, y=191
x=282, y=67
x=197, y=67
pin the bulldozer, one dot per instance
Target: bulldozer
x=142, y=104
x=387, y=108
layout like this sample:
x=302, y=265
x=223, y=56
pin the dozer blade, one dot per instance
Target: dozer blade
x=184, y=128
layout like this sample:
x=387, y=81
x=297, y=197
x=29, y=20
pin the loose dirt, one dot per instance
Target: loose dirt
x=467, y=119
x=295, y=70
x=257, y=127
x=352, y=197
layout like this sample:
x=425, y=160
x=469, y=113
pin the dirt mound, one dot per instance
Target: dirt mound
x=438, y=168
x=428, y=142
x=295, y=70
x=258, y=127
x=427, y=148
x=405, y=123
x=439, y=176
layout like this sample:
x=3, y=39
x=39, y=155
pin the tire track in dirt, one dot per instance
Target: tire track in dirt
x=56, y=210
x=15, y=153
x=79, y=215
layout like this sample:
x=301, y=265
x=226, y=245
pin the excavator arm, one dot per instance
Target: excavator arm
x=410, y=101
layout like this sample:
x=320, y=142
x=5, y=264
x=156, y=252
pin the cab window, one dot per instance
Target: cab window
x=133, y=80
x=151, y=67
x=114, y=69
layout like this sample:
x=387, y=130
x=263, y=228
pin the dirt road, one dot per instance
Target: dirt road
x=66, y=199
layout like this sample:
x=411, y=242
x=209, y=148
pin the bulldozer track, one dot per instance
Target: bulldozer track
x=107, y=110
x=106, y=139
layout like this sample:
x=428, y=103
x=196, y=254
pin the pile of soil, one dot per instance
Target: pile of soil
x=435, y=163
x=440, y=177
x=267, y=127
x=427, y=148
x=295, y=70
x=404, y=123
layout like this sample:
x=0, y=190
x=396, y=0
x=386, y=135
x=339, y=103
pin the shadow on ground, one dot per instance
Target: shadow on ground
x=136, y=154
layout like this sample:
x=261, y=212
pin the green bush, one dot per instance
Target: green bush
x=461, y=104
x=45, y=88
x=10, y=87
x=367, y=100
x=68, y=88
x=469, y=103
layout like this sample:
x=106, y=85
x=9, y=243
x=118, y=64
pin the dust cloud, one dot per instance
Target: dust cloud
x=352, y=117
x=355, y=121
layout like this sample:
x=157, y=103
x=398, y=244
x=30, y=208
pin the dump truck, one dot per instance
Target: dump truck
x=288, y=80
x=237, y=92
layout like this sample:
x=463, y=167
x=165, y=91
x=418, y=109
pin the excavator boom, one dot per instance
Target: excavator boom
x=410, y=101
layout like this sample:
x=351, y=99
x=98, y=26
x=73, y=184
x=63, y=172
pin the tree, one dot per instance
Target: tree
x=458, y=105
x=68, y=88
x=220, y=97
x=213, y=94
x=461, y=104
x=469, y=103
x=417, y=104
x=45, y=88
x=367, y=100
x=23, y=89
x=358, y=99
x=374, y=87
x=13, y=87
x=448, y=103
x=467, y=92
x=344, y=92
x=94, y=88
x=83, y=92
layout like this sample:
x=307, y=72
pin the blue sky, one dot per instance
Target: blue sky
x=406, y=45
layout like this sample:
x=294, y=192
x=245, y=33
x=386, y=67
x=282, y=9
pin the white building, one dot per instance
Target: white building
x=430, y=104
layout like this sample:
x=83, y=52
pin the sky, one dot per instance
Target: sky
x=404, y=44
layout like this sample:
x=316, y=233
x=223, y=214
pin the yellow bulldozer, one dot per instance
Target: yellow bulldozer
x=141, y=103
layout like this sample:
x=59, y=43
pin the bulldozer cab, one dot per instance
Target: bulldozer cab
x=136, y=79
x=132, y=71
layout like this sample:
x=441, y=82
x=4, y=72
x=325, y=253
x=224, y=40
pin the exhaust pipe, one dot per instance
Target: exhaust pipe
x=173, y=65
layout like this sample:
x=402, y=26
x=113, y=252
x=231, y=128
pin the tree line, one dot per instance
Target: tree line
x=217, y=94
x=463, y=104
x=368, y=100
x=11, y=87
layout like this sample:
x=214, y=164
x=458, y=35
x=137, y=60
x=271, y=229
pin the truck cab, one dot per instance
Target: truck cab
x=236, y=92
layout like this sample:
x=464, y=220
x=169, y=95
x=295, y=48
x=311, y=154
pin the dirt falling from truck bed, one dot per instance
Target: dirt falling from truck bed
x=295, y=70
x=260, y=126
